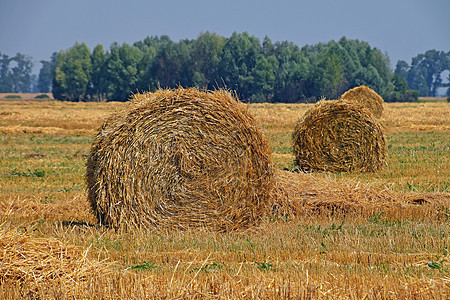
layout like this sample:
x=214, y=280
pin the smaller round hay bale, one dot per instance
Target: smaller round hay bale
x=367, y=97
x=339, y=136
x=180, y=158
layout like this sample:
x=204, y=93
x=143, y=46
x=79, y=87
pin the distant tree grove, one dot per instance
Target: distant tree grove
x=259, y=71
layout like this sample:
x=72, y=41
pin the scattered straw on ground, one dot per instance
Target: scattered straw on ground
x=367, y=97
x=180, y=158
x=75, y=209
x=18, y=129
x=339, y=136
x=38, y=265
x=301, y=193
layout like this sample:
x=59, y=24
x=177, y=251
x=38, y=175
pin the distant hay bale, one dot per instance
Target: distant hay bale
x=367, y=97
x=339, y=136
x=37, y=265
x=180, y=158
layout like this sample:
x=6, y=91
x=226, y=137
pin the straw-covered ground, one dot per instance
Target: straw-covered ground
x=382, y=235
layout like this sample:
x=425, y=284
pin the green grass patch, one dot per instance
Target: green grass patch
x=13, y=97
x=42, y=96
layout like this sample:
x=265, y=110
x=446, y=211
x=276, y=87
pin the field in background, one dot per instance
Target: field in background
x=392, y=254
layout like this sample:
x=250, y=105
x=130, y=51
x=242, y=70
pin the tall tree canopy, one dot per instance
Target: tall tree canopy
x=15, y=73
x=72, y=73
x=257, y=70
x=426, y=71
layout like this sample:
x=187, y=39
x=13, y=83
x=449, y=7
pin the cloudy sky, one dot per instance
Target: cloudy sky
x=402, y=28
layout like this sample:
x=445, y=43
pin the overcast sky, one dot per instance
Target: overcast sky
x=402, y=28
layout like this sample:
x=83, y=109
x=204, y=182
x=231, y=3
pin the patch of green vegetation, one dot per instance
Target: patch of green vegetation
x=28, y=173
x=265, y=266
x=13, y=97
x=60, y=139
x=209, y=268
x=431, y=99
x=325, y=231
x=42, y=96
x=144, y=266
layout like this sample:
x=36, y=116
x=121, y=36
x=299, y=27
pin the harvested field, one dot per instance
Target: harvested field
x=325, y=236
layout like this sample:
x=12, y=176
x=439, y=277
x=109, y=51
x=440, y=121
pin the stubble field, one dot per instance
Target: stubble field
x=387, y=252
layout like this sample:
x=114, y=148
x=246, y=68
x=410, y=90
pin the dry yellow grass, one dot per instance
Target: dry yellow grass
x=33, y=265
x=86, y=117
x=53, y=117
x=416, y=117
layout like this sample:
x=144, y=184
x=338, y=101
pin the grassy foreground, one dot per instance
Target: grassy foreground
x=388, y=254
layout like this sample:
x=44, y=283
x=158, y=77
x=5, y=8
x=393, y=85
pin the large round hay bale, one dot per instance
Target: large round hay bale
x=339, y=136
x=180, y=158
x=367, y=97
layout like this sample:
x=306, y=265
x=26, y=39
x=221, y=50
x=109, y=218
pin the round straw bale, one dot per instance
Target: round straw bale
x=339, y=136
x=367, y=97
x=180, y=158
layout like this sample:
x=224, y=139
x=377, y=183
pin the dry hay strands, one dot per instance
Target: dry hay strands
x=41, y=266
x=367, y=97
x=70, y=209
x=339, y=136
x=304, y=194
x=180, y=158
x=301, y=193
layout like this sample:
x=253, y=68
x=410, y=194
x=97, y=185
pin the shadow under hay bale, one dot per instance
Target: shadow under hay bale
x=367, y=97
x=339, y=136
x=180, y=158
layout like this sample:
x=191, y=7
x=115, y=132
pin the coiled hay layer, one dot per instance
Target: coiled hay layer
x=180, y=158
x=339, y=136
x=367, y=97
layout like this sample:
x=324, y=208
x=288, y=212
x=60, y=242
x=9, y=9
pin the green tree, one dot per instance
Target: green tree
x=328, y=76
x=6, y=81
x=369, y=76
x=98, y=85
x=206, y=53
x=264, y=79
x=150, y=47
x=172, y=65
x=402, y=69
x=291, y=73
x=21, y=73
x=15, y=73
x=348, y=51
x=44, y=84
x=239, y=57
x=268, y=48
x=72, y=73
x=122, y=71
x=425, y=72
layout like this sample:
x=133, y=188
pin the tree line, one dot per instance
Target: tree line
x=259, y=71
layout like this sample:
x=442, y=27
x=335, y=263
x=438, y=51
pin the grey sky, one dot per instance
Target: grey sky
x=402, y=28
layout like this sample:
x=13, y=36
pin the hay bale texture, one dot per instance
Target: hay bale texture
x=339, y=136
x=367, y=97
x=180, y=158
